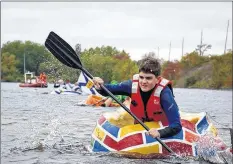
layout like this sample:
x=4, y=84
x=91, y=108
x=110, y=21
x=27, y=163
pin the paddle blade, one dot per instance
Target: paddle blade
x=62, y=51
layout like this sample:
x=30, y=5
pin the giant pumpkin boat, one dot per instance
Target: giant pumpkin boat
x=116, y=131
x=98, y=100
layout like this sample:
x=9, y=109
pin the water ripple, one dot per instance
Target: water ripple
x=38, y=127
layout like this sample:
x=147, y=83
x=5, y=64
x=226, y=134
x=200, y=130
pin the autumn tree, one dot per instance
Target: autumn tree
x=34, y=53
x=8, y=67
x=171, y=70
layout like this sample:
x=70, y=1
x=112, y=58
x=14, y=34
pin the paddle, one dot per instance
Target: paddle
x=65, y=54
x=53, y=40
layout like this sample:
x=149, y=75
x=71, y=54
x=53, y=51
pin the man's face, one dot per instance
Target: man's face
x=147, y=81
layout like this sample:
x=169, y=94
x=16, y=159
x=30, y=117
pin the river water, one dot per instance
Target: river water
x=39, y=128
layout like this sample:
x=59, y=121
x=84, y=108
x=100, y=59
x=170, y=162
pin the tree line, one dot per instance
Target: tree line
x=105, y=61
x=196, y=71
x=112, y=64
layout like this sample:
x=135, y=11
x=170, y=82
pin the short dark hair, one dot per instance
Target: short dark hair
x=150, y=65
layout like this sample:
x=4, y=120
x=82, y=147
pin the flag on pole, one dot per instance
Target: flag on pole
x=86, y=84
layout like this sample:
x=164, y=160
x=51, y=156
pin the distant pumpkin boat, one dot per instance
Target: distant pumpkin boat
x=96, y=100
x=116, y=131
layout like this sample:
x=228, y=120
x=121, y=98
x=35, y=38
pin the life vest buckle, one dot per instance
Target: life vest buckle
x=158, y=112
x=134, y=103
x=147, y=119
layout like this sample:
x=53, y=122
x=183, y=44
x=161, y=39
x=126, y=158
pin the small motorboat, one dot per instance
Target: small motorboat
x=33, y=81
x=40, y=85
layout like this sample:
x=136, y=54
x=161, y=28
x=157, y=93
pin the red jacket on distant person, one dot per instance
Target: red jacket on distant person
x=43, y=77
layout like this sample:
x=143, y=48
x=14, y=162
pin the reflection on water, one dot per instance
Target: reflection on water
x=38, y=127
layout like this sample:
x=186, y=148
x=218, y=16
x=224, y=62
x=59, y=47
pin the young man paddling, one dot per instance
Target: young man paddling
x=152, y=97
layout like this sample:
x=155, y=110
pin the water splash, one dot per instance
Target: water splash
x=210, y=148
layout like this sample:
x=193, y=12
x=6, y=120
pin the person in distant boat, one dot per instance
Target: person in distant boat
x=109, y=101
x=95, y=100
x=56, y=84
x=43, y=77
x=152, y=97
x=60, y=82
x=68, y=85
x=76, y=87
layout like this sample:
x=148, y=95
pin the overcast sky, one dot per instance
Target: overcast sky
x=138, y=28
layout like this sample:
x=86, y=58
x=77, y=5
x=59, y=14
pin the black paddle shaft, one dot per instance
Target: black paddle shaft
x=66, y=55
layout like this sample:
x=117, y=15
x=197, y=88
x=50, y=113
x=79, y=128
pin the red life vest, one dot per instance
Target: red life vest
x=153, y=107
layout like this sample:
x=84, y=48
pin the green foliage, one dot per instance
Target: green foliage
x=106, y=62
x=222, y=71
x=192, y=60
x=190, y=81
x=57, y=70
x=110, y=64
x=202, y=84
x=35, y=55
x=206, y=72
x=8, y=67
